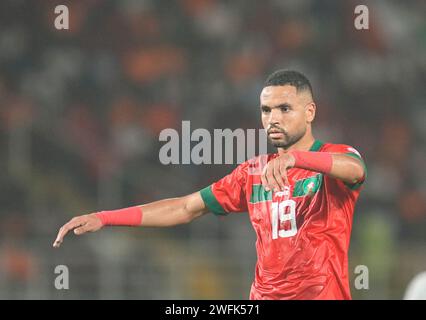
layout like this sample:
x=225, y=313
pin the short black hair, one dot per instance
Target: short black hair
x=289, y=77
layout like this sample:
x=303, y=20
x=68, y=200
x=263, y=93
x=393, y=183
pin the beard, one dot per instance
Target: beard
x=287, y=140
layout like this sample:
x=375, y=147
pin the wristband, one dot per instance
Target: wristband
x=123, y=217
x=314, y=161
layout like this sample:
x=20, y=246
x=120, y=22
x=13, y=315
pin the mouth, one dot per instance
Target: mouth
x=276, y=135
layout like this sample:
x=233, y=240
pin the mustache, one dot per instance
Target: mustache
x=275, y=128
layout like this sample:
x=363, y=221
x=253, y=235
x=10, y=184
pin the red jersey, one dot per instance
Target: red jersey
x=302, y=233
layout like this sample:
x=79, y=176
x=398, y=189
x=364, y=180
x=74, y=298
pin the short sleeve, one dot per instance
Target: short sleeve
x=352, y=152
x=227, y=194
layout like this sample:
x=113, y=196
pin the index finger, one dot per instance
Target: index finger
x=64, y=230
x=284, y=174
x=280, y=177
x=264, y=179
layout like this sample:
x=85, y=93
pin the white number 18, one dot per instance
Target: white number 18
x=283, y=211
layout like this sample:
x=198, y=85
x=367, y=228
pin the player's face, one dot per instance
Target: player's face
x=286, y=114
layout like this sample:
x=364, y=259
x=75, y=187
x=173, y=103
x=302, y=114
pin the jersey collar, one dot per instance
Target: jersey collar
x=316, y=145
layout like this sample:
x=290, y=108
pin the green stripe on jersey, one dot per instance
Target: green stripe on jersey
x=211, y=201
x=259, y=194
x=302, y=188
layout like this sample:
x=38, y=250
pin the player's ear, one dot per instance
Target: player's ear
x=310, y=110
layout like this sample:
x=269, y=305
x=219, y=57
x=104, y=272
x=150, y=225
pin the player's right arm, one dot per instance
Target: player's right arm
x=163, y=213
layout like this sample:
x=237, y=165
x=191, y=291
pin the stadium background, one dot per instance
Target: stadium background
x=81, y=110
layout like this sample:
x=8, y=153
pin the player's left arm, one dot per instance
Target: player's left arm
x=345, y=167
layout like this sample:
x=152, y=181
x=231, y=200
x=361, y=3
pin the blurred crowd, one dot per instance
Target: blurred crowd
x=81, y=111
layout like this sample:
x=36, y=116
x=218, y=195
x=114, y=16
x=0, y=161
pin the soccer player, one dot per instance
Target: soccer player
x=300, y=201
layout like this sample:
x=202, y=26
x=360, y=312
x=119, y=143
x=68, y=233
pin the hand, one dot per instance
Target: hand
x=81, y=224
x=274, y=176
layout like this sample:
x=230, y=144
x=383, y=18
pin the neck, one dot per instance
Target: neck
x=303, y=144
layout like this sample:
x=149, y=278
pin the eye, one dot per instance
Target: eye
x=284, y=108
x=266, y=109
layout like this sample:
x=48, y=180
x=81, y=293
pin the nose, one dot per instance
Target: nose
x=274, y=117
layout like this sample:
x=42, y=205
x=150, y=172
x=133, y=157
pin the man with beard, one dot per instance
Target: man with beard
x=300, y=200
